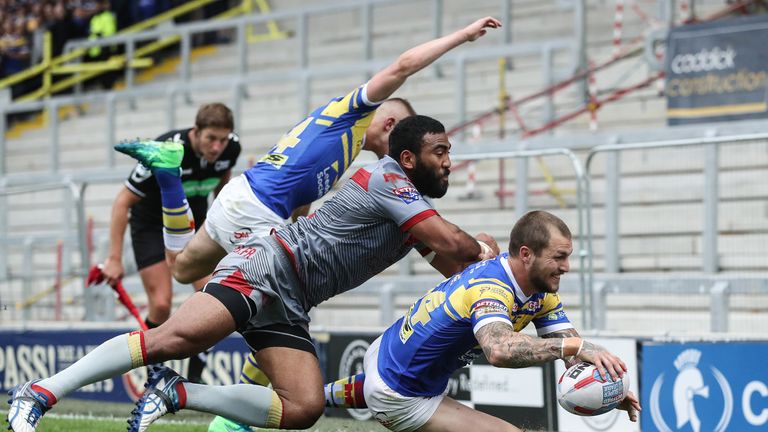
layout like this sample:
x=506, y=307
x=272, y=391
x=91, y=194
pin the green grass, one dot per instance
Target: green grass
x=86, y=416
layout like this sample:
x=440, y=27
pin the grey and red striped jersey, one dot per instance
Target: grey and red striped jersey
x=356, y=234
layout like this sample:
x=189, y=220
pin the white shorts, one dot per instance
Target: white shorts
x=394, y=411
x=237, y=217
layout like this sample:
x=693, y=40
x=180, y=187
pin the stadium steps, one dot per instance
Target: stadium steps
x=651, y=189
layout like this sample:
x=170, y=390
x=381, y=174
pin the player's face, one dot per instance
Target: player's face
x=211, y=142
x=433, y=166
x=552, y=263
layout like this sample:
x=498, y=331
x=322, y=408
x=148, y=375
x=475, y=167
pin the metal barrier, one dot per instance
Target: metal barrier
x=236, y=84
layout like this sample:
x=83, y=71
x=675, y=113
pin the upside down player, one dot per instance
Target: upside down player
x=479, y=311
x=302, y=167
x=265, y=292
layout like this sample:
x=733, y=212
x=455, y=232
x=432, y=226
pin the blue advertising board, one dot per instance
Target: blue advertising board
x=704, y=387
x=717, y=71
x=27, y=355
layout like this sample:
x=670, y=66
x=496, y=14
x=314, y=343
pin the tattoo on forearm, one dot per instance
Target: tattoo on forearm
x=561, y=334
x=501, y=344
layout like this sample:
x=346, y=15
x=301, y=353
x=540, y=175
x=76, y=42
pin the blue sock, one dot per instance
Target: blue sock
x=171, y=190
x=178, y=222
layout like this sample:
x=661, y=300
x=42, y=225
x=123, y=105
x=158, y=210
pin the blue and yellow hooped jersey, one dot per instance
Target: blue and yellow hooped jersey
x=312, y=156
x=421, y=350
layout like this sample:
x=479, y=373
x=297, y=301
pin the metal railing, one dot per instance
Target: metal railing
x=235, y=85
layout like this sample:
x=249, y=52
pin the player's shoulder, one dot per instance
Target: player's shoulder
x=175, y=135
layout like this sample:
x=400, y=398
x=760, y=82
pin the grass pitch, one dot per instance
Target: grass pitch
x=80, y=416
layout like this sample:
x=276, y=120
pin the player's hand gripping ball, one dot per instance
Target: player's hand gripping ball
x=583, y=392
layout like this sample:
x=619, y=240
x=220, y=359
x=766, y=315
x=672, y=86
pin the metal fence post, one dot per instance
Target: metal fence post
x=612, y=187
x=53, y=126
x=130, y=74
x=302, y=37
x=3, y=127
x=460, y=72
x=28, y=270
x=521, y=186
x=597, y=318
x=3, y=232
x=111, y=128
x=387, y=305
x=171, y=112
x=709, y=250
x=719, y=306
x=437, y=27
x=186, y=49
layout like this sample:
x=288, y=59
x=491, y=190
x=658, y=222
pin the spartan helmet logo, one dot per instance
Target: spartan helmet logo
x=688, y=384
x=688, y=387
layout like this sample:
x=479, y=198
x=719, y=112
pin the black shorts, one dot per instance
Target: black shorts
x=148, y=245
x=273, y=335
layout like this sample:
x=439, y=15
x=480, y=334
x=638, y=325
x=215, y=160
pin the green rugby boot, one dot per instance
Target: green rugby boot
x=220, y=424
x=154, y=154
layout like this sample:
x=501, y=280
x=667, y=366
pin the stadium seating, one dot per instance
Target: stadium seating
x=661, y=191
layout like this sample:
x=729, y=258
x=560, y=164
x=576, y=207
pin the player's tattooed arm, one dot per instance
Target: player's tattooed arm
x=592, y=353
x=504, y=347
x=571, y=332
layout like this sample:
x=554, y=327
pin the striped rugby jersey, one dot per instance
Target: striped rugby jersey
x=356, y=234
x=312, y=156
x=420, y=351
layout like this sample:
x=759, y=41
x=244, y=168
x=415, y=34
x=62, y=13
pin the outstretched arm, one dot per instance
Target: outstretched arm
x=386, y=81
x=454, y=249
x=503, y=347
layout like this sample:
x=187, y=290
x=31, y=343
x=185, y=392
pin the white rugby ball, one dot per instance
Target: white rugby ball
x=581, y=390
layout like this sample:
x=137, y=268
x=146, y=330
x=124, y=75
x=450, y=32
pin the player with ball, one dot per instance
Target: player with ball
x=481, y=311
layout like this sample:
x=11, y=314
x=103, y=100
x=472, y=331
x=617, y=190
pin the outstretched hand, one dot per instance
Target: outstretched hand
x=606, y=363
x=631, y=405
x=478, y=28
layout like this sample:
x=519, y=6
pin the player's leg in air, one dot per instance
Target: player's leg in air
x=191, y=256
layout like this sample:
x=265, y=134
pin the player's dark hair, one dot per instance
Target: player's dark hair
x=409, y=133
x=404, y=102
x=214, y=115
x=532, y=230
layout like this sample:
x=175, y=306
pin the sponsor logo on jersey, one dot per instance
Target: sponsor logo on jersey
x=140, y=173
x=394, y=177
x=240, y=235
x=277, y=160
x=533, y=306
x=221, y=165
x=490, y=307
x=407, y=194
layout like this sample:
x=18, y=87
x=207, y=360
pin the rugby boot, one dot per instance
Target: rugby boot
x=164, y=394
x=27, y=405
x=154, y=154
x=221, y=424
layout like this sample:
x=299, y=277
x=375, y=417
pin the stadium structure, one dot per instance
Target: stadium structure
x=643, y=124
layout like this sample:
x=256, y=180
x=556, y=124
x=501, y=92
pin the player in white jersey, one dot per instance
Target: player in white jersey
x=481, y=311
x=266, y=291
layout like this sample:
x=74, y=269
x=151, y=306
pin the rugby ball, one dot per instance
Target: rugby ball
x=581, y=390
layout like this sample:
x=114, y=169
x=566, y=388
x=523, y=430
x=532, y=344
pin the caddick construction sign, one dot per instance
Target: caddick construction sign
x=717, y=71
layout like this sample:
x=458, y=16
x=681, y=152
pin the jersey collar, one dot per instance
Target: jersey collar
x=504, y=258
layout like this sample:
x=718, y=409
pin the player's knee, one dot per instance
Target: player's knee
x=172, y=344
x=302, y=413
x=182, y=275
